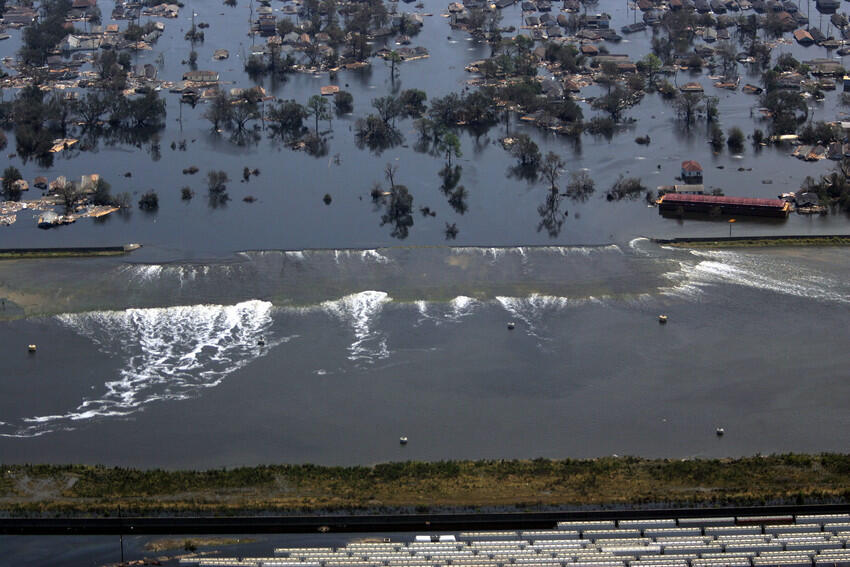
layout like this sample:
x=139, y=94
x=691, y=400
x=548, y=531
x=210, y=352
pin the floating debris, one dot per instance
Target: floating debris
x=62, y=144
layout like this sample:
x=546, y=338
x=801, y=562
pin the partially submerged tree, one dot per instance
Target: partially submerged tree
x=457, y=199
x=412, y=102
x=551, y=169
x=614, y=103
x=581, y=186
x=649, y=66
x=735, y=139
x=102, y=193
x=625, y=188
x=69, y=195
x=286, y=120
x=449, y=146
x=217, y=187
x=687, y=106
x=716, y=138
x=550, y=214
x=375, y=133
x=149, y=201
x=11, y=191
x=398, y=211
x=525, y=150
x=344, y=102
x=319, y=108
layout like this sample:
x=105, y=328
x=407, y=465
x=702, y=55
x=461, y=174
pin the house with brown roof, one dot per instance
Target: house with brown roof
x=691, y=172
x=803, y=37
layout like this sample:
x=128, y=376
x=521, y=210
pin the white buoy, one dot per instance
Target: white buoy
x=31, y=348
x=720, y=431
x=402, y=440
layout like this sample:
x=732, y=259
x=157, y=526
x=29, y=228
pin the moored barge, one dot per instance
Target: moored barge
x=678, y=203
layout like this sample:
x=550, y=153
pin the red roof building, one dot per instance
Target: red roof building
x=680, y=203
x=691, y=172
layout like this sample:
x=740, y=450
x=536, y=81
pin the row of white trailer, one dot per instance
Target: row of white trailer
x=776, y=541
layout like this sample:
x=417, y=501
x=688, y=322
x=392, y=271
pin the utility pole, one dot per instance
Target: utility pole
x=121, y=536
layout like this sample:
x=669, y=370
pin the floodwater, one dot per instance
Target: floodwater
x=502, y=210
x=35, y=551
x=156, y=359
x=161, y=364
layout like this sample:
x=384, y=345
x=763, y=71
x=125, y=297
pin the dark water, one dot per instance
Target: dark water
x=364, y=346
x=35, y=551
x=502, y=210
x=157, y=362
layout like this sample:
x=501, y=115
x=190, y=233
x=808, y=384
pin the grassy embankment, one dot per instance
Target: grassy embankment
x=763, y=242
x=414, y=486
x=70, y=253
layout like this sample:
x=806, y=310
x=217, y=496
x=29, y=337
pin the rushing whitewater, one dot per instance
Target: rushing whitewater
x=778, y=275
x=171, y=353
x=386, y=306
x=359, y=310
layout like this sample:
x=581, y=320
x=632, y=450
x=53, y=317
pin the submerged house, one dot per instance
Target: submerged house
x=691, y=172
x=201, y=76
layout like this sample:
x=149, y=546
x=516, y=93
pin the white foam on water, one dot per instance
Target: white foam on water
x=373, y=256
x=580, y=250
x=533, y=309
x=684, y=285
x=368, y=255
x=144, y=273
x=765, y=272
x=523, y=251
x=462, y=306
x=458, y=308
x=637, y=244
x=295, y=255
x=493, y=252
x=359, y=310
x=170, y=353
x=769, y=273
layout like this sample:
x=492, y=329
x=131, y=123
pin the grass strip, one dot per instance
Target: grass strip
x=33, y=254
x=762, y=242
x=424, y=486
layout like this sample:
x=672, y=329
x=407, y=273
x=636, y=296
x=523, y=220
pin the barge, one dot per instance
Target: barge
x=678, y=203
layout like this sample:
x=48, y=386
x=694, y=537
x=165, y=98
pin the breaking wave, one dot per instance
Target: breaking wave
x=144, y=274
x=359, y=310
x=171, y=353
x=498, y=252
x=371, y=255
x=769, y=273
x=453, y=312
x=533, y=310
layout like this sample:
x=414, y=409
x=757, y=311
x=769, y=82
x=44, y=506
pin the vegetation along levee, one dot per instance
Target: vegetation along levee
x=22, y=253
x=757, y=241
x=540, y=484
